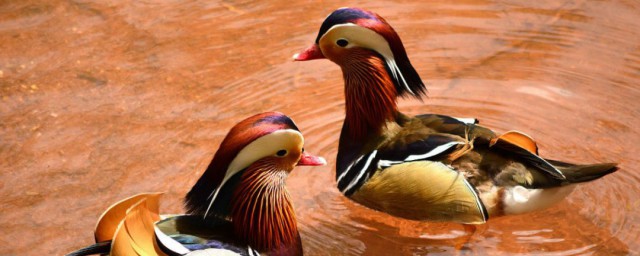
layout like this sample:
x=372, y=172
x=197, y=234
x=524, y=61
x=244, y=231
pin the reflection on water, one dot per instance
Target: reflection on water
x=104, y=100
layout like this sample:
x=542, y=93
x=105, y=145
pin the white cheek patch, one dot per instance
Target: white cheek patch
x=262, y=147
x=366, y=38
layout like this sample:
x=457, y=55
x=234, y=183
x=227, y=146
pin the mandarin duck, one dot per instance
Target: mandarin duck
x=239, y=206
x=427, y=167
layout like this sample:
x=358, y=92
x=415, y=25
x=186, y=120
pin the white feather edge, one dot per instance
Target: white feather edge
x=467, y=120
x=364, y=170
x=177, y=247
x=169, y=243
x=344, y=173
x=479, y=203
x=519, y=199
x=434, y=152
x=386, y=163
x=438, y=150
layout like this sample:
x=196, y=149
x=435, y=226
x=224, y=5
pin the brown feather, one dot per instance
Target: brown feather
x=370, y=93
x=238, y=137
x=262, y=211
x=382, y=27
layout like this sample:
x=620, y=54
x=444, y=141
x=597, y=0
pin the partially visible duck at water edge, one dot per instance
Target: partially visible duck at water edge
x=239, y=206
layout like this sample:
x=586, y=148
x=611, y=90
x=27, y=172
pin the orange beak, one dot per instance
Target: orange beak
x=311, y=160
x=311, y=53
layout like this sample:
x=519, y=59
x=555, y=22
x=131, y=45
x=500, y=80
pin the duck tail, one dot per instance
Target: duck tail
x=577, y=173
x=97, y=248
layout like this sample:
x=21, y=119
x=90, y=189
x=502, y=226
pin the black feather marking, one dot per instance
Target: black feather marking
x=194, y=233
x=97, y=248
x=358, y=173
x=363, y=167
x=410, y=75
x=577, y=173
x=198, y=199
x=278, y=119
x=342, y=16
x=401, y=152
x=530, y=158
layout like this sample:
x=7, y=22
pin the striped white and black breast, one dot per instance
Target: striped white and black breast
x=192, y=235
x=354, y=170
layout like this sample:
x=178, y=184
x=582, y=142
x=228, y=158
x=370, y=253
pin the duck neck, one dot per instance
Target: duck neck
x=262, y=212
x=370, y=95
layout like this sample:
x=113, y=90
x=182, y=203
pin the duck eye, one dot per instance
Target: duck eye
x=302, y=150
x=281, y=152
x=342, y=42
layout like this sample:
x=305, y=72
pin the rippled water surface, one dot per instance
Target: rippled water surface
x=104, y=99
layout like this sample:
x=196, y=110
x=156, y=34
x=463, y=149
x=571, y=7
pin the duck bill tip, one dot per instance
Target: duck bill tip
x=311, y=160
x=311, y=53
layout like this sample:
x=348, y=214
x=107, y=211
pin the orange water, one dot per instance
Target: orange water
x=100, y=101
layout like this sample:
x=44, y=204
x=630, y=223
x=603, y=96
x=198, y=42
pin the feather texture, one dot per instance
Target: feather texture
x=135, y=234
x=111, y=218
x=370, y=99
x=398, y=164
x=198, y=200
x=262, y=211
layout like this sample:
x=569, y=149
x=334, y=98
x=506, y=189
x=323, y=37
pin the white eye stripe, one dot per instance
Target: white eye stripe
x=266, y=145
x=366, y=38
x=359, y=36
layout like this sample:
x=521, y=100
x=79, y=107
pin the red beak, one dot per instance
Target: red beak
x=311, y=53
x=311, y=160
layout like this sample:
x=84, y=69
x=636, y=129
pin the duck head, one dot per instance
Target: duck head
x=374, y=65
x=244, y=182
x=350, y=35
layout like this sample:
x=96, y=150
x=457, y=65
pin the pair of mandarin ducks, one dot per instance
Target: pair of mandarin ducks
x=427, y=167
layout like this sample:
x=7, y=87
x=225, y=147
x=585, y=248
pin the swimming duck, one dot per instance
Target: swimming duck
x=426, y=167
x=239, y=205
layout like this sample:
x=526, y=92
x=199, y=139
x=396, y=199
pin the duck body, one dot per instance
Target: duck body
x=239, y=206
x=437, y=168
x=427, y=167
x=142, y=231
x=185, y=234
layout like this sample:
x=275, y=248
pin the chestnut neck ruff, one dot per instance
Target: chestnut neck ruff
x=370, y=94
x=262, y=212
